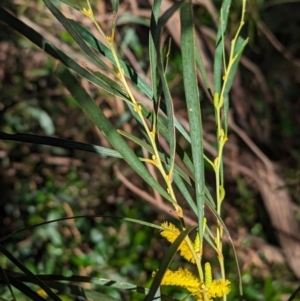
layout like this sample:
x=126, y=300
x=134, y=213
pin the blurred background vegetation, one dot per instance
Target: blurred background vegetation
x=42, y=183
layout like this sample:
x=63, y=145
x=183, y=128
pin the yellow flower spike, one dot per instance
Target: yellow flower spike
x=172, y=230
x=184, y=249
x=197, y=243
x=183, y=278
x=208, y=291
x=208, y=275
x=204, y=224
x=219, y=288
x=197, y=246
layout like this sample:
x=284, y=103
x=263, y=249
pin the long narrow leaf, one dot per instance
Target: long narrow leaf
x=171, y=118
x=193, y=105
x=153, y=42
x=68, y=144
x=137, y=221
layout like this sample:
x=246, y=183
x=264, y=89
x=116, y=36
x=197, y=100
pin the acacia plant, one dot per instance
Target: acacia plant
x=182, y=171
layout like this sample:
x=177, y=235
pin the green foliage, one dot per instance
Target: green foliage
x=182, y=171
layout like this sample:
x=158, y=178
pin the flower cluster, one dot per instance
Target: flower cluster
x=171, y=234
x=207, y=290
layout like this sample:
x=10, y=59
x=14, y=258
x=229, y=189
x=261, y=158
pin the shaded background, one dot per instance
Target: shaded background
x=39, y=183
